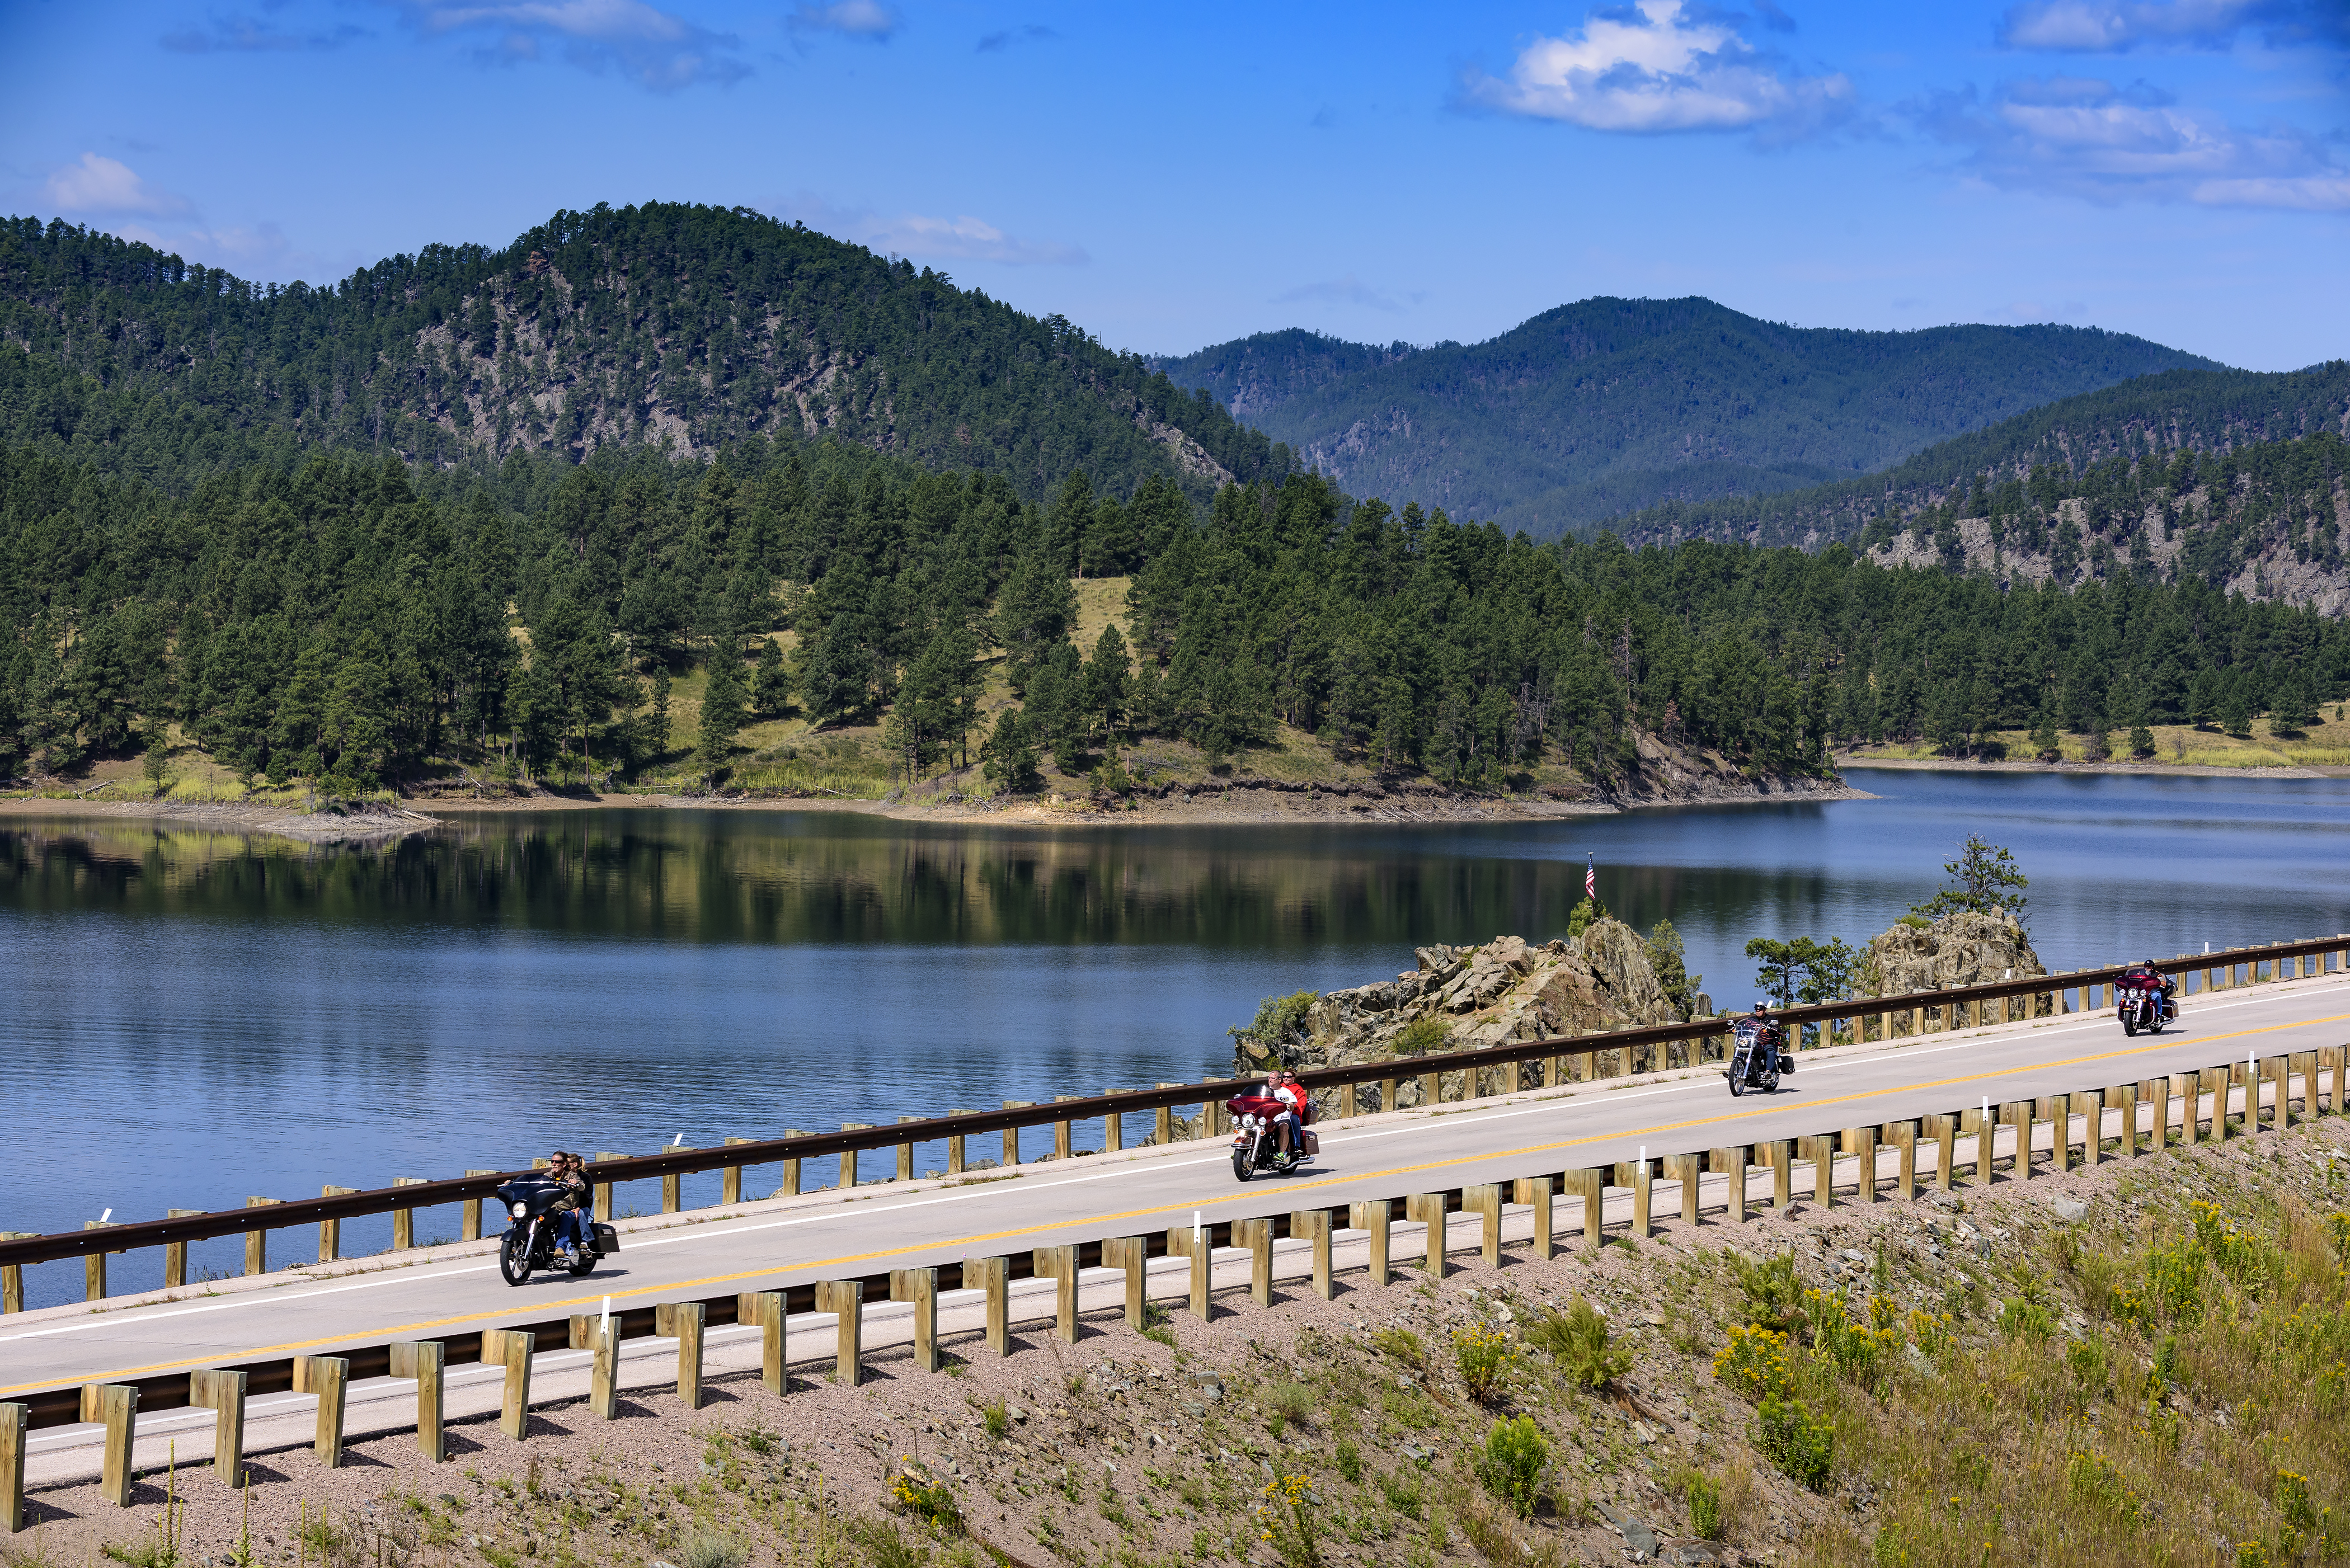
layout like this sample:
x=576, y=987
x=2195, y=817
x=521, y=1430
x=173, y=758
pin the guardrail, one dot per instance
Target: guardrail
x=2132, y=1116
x=1561, y=1059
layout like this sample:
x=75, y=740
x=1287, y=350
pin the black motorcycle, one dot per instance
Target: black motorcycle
x=529, y=1242
x=1758, y=1055
x=2145, y=1008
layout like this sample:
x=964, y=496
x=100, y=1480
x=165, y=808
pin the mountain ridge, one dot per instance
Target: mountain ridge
x=1605, y=405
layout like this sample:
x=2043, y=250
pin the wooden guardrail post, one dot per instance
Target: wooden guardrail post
x=1535, y=1192
x=992, y=1277
x=1162, y=1125
x=1685, y=1168
x=763, y=1310
x=848, y=1157
x=93, y=1264
x=1059, y=1264
x=2017, y=1114
x=1729, y=1163
x=1371, y=1216
x=116, y=1405
x=1484, y=1201
x=1130, y=1255
x=791, y=1182
x=2122, y=1097
x=1644, y=1187
x=222, y=1393
x=1903, y=1135
x=845, y=1299
x=1256, y=1236
x=1818, y=1151
x=729, y=1177
x=425, y=1360
x=683, y=1322
x=602, y=1196
x=1062, y=1144
x=330, y=1232
x=920, y=1288
x=2186, y=1088
x=12, y=1275
x=469, y=1222
x=674, y=1184
x=404, y=1220
x=1198, y=1246
x=1313, y=1227
x=2214, y=1081
x=1388, y=1094
x=1943, y=1128
x=905, y=1155
x=1012, y=1134
x=1591, y=1187
x=326, y=1376
x=512, y=1348
x=14, y=1422
x=2089, y=1104
x=2304, y=1066
x=175, y=1254
x=256, y=1241
x=1215, y=1121
x=1427, y=1209
x=2329, y=1064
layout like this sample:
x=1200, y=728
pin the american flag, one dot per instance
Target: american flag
x=1590, y=879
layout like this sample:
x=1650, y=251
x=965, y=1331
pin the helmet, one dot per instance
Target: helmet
x=1762, y=1004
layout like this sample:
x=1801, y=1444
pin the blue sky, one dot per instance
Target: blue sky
x=1169, y=177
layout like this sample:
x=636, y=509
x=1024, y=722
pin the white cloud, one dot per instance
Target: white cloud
x=251, y=35
x=1662, y=66
x=964, y=238
x=867, y=19
x=651, y=47
x=101, y=184
x=2117, y=27
x=1347, y=290
x=2088, y=137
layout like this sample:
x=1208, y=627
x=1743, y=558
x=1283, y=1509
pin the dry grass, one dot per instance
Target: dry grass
x=2324, y=745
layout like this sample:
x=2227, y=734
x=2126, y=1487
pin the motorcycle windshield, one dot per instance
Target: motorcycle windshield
x=1747, y=1033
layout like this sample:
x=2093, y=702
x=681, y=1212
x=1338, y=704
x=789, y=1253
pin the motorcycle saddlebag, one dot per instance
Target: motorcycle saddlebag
x=608, y=1240
x=1313, y=1142
x=1786, y=1063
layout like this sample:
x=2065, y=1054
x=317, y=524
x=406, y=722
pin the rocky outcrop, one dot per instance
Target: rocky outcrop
x=1461, y=998
x=1957, y=949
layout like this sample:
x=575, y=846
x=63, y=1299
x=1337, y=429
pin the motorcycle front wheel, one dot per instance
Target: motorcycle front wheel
x=1243, y=1165
x=1737, y=1081
x=2129, y=1027
x=513, y=1257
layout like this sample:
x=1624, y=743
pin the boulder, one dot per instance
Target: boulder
x=1965, y=948
x=1458, y=998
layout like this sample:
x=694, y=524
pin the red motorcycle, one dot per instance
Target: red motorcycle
x=1255, y=1146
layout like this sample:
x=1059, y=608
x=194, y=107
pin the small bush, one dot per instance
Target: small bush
x=995, y=1418
x=1775, y=1296
x=1401, y=1489
x=1350, y=1462
x=1422, y=1035
x=1706, y=1517
x=1798, y=1443
x=1286, y=1519
x=915, y=1492
x=1402, y=1344
x=1483, y=1355
x=1516, y=1454
x=1754, y=1362
x=1578, y=1341
x=710, y=1549
x=1293, y=1402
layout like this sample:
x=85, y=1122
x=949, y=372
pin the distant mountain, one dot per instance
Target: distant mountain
x=687, y=327
x=2156, y=416
x=1611, y=405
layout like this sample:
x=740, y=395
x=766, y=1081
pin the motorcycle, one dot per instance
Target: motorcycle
x=2145, y=1008
x=1254, y=1146
x=1758, y=1055
x=529, y=1242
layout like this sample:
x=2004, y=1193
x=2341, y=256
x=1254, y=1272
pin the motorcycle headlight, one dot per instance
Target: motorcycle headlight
x=521, y=1210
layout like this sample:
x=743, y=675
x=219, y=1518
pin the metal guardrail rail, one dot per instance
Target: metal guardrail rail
x=15, y=1251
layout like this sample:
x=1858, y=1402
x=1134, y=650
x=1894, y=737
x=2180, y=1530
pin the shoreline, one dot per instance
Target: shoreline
x=1239, y=803
x=2015, y=765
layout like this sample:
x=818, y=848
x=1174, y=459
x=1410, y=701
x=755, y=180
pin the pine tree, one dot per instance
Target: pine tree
x=770, y=683
x=721, y=712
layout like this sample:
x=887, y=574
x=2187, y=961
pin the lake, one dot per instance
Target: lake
x=193, y=1017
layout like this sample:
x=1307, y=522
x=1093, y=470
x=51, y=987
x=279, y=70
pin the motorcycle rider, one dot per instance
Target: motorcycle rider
x=1773, y=1037
x=2143, y=976
x=570, y=1210
x=1289, y=1127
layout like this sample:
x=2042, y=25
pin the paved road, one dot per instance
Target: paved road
x=832, y=1235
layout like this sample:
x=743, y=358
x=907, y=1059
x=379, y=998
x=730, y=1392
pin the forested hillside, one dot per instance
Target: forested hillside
x=676, y=327
x=2147, y=420
x=355, y=623
x=1610, y=405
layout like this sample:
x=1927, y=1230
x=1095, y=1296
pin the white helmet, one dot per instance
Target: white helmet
x=1762, y=1004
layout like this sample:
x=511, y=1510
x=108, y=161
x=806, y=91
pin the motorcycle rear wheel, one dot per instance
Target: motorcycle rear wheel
x=1770, y=1083
x=1243, y=1167
x=514, y=1258
x=585, y=1262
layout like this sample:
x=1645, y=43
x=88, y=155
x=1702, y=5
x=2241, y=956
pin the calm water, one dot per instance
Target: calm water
x=192, y=1018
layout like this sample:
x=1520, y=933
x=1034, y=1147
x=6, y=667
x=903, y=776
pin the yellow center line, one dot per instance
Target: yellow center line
x=673, y=1288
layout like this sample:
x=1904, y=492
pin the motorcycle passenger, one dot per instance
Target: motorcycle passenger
x=570, y=1210
x=2144, y=976
x=1289, y=1127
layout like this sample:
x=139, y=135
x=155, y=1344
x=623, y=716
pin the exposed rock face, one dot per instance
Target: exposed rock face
x=1460, y=998
x=1957, y=949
